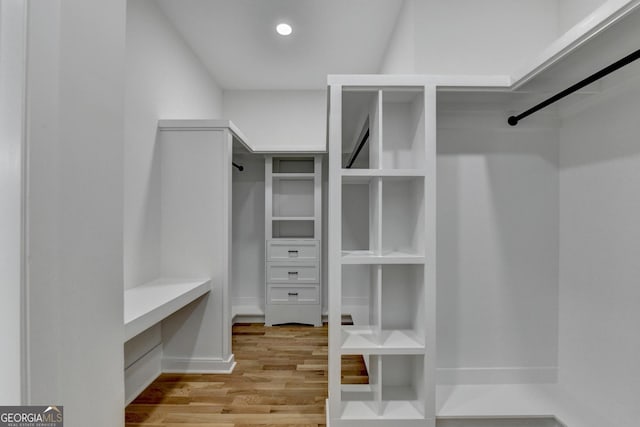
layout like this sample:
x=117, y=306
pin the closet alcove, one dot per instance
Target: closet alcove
x=534, y=234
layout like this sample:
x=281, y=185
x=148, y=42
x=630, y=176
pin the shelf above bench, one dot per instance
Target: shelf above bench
x=150, y=303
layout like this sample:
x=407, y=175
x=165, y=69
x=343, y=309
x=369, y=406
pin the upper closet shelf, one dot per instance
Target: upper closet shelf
x=148, y=304
x=240, y=140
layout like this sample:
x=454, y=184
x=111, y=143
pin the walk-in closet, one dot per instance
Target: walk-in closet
x=344, y=213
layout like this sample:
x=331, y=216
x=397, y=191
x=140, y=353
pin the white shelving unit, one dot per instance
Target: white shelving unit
x=395, y=173
x=292, y=233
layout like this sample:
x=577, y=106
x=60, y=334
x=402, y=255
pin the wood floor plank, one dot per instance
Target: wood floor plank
x=280, y=380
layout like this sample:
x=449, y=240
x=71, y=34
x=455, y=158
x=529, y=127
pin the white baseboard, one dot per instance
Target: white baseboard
x=247, y=310
x=143, y=372
x=509, y=375
x=248, y=318
x=502, y=422
x=193, y=365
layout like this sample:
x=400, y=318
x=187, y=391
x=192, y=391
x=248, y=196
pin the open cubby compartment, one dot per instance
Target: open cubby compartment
x=395, y=390
x=403, y=129
x=402, y=386
x=402, y=308
x=357, y=235
x=361, y=115
x=361, y=281
x=395, y=319
x=292, y=228
x=403, y=217
x=297, y=165
x=363, y=401
x=293, y=197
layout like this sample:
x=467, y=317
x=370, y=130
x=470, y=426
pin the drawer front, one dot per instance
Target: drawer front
x=291, y=250
x=292, y=273
x=283, y=294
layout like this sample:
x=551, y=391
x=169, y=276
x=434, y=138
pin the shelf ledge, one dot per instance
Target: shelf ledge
x=293, y=176
x=387, y=410
x=293, y=218
x=366, y=340
x=391, y=257
x=355, y=176
x=150, y=303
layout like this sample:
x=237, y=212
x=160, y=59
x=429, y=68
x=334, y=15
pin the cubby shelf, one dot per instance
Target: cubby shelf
x=356, y=176
x=292, y=218
x=293, y=176
x=367, y=340
x=392, y=257
x=386, y=410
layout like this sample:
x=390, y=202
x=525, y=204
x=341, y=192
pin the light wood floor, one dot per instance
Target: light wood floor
x=280, y=380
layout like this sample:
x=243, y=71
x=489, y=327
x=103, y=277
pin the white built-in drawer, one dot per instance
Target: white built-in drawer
x=292, y=250
x=287, y=272
x=288, y=294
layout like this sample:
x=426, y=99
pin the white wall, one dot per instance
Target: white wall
x=164, y=80
x=279, y=120
x=497, y=249
x=248, y=244
x=487, y=37
x=570, y=12
x=75, y=123
x=469, y=36
x=599, y=247
x=12, y=69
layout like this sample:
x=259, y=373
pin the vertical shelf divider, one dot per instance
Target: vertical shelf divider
x=375, y=132
x=334, y=254
x=430, y=250
x=375, y=216
x=268, y=201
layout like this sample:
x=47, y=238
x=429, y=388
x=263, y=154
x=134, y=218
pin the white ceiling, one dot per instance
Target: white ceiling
x=236, y=39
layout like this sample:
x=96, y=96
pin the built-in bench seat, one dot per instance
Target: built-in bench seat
x=526, y=401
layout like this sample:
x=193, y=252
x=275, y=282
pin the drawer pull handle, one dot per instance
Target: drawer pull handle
x=293, y=253
x=293, y=294
x=293, y=273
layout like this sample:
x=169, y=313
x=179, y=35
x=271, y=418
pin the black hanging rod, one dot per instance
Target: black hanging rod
x=364, y=137
x=239, y=167
x=358, y=149
x=513, y=120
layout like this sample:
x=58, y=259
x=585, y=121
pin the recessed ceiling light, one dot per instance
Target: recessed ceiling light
x=284, y=29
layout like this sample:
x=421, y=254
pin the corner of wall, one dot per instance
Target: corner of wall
x=399, y=56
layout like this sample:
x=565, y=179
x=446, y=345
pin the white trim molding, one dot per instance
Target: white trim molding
x=142, y=373
x=199, y=365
